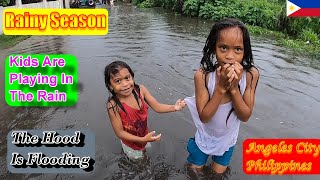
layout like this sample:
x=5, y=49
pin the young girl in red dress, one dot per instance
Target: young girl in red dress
x=128, y=109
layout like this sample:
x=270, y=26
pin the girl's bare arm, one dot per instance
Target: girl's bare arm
x=155, y=105
x=243, y=106
x=206, y=108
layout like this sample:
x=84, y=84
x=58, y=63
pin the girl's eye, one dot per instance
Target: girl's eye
x=128, y=77
x=223, y=48
x=238, y=50
x=117, y=81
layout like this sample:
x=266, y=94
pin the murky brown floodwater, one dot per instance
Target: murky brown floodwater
x=164, y=50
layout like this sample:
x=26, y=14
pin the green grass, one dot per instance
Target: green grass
x=256, y=30
x=10, y=41
x=299, y=46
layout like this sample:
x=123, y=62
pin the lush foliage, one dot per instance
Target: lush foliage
x=146, y=4
x=309, y=36
x=302, y=47
x=5, y=3
x=167, y=4
x=136, y=2
x=268, y=14
x=191, y=7
x=256, y=30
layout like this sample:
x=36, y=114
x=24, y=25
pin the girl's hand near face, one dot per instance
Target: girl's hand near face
x=237, y=75
x=238, y=69
x=231, y=74
x=223, y=83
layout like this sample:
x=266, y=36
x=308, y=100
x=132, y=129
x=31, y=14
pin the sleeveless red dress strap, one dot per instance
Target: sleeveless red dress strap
x=135, y=121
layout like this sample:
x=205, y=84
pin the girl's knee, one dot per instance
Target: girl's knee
x=197, y=168
x=217, y=168
x=224, y=174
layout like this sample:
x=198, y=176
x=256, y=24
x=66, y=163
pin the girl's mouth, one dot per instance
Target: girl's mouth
x=126, y=90
x=231, y=63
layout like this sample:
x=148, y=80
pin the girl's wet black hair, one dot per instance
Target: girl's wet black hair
x=111, y=70
x=207, y=63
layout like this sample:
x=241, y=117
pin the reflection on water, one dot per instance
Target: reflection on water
x=164, y=49
x=130, y=169
x=145, y=168
x=13, y=118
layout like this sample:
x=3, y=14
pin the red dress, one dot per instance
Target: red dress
x=134, y=121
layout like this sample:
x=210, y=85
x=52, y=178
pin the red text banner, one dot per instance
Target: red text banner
x=281, y=156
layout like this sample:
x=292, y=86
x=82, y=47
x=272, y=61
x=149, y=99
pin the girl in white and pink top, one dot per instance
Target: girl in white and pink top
x=224, y=94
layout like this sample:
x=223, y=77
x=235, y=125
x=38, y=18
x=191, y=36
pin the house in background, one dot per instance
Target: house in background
x=4, y=4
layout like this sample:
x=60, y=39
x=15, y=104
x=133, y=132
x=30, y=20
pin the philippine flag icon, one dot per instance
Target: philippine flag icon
x=303, y=8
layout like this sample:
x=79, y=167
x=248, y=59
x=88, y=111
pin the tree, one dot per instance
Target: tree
x=5, y=3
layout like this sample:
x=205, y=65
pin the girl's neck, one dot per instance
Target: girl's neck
x=125, y=98
x=132, y=101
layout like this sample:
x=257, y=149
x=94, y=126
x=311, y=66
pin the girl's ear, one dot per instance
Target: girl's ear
x=110, y=87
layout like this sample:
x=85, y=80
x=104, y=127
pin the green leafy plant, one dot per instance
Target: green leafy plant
x=206, y=11
x=146, y=4
x=167, y=4
x=191, y=7
x=309, y=36
x=264, y=17
x=137, y=2
x=4, y=3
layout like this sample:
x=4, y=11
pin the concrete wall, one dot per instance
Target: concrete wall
x=44, y=4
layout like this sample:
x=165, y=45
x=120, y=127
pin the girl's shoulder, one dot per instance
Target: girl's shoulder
x=252, y=76
x=112, y=108
x=111, y=104
x=200, y=71
x=201, y=75
x=253, y=72
x=142, y=90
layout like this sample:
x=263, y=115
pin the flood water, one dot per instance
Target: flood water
x=163, y=50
